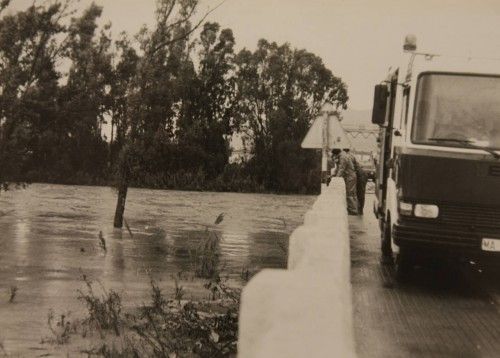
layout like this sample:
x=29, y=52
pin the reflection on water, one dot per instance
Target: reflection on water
x=49, y=237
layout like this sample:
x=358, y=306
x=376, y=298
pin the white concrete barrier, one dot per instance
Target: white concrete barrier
x=305, y=311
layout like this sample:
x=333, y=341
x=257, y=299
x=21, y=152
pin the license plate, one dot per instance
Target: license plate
x=490, y=244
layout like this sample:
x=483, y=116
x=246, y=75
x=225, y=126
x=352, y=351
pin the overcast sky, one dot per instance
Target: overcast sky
x=357, y=39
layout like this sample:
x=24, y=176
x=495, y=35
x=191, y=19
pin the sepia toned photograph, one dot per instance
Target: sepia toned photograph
x=250, y=178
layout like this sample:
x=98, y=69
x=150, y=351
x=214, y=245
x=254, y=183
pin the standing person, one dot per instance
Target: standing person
x=361, y=180
x=346, y=170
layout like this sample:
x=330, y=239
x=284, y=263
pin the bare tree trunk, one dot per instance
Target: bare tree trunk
x=120, y=205
x=112, y=131
x=110, y=145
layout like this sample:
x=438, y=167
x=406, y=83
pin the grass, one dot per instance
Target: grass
x=206, y=257
x=104, y=310
x=171, y=328
x=166, y=326
x=179, y=290
x=245, y=274
x=102, y=242
x=13, y=293
x=61, y=328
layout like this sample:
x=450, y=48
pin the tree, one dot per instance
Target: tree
x=66, y=144
x=30, y=45
x=153, y=93
x=174, y=103
x=280, y=91
x=206, y=120
x=123, y=74
x=86, y=97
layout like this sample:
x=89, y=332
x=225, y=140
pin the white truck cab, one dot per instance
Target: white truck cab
x=438, y=168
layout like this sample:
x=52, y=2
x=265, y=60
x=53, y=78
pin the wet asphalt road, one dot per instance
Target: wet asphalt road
x=439, y=311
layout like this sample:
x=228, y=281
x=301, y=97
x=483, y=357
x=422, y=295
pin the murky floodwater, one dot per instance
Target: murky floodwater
x=50, y=237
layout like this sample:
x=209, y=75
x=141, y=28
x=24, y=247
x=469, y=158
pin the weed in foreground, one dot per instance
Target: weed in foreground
x=13, y=293
x=104, y=311
x=179, y=290
x=206, y=256
x=61, y=328
x=122, y=349
x=245, y=274
x=166, y=328
x=102, y=242
x=219, y=290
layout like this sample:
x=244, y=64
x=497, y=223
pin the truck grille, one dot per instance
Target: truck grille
x=495, y=170
x=469, y=216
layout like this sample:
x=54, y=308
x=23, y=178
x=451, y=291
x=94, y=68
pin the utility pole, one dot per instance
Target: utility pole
x=326, y=143
x=324, y=151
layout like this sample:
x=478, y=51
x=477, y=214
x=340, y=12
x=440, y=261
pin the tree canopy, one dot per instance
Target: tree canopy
x=160, y=108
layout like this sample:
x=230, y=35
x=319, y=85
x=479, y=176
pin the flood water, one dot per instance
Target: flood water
x=49, y=238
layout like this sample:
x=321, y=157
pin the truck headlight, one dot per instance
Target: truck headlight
x=426, y=211
x=405, y=209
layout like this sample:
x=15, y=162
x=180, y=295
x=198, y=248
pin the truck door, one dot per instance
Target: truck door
x=385, y=146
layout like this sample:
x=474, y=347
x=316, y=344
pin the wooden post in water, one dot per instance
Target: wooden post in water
x=123, y=182
x=120, y=205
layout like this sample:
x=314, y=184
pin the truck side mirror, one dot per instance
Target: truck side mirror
x=380, y=104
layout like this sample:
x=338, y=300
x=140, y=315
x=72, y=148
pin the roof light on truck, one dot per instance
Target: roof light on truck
x=410, y=44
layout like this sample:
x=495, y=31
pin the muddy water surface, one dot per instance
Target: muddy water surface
x=49, y=238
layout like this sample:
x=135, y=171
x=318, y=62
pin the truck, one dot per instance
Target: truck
x=437, y=180
x=366, y=162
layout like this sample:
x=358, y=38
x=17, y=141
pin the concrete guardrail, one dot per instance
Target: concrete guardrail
x=306, y=310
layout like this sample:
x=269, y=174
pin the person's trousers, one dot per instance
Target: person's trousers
x=352, y=195
x=360, y=194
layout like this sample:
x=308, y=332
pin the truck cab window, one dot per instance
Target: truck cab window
x=457, y=110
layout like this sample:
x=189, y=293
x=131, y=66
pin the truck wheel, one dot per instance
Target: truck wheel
x=385, y=243
x=404, y=264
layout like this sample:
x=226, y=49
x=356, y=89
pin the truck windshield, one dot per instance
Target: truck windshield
x=457, y=110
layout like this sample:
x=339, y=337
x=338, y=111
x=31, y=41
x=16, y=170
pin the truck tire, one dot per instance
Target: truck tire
x=405, y=261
